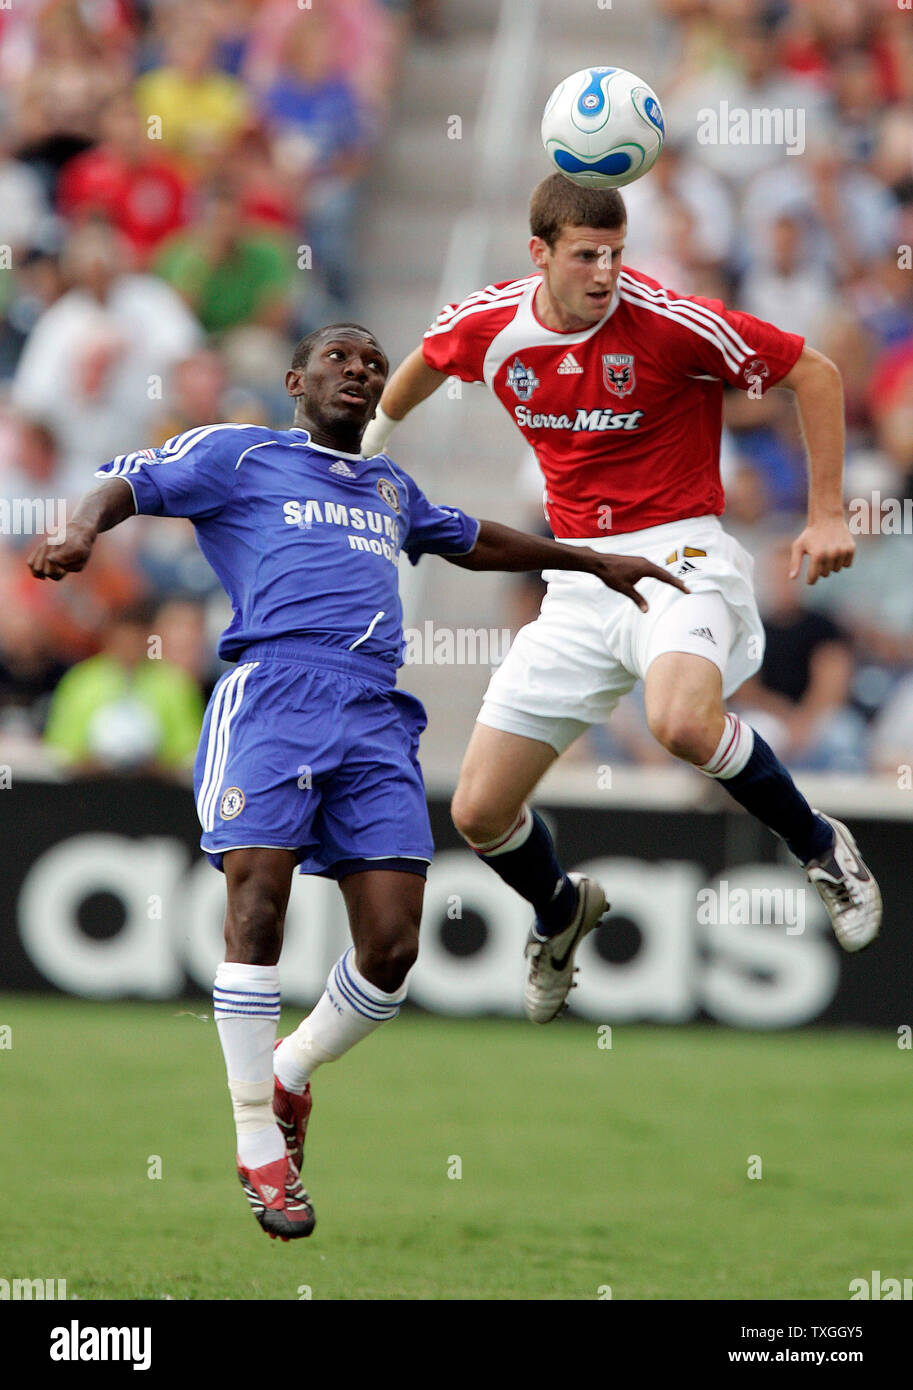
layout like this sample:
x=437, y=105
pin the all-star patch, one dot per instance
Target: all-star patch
x=521, y=380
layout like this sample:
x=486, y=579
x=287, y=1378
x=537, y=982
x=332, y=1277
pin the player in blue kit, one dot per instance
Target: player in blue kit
x=308, y=753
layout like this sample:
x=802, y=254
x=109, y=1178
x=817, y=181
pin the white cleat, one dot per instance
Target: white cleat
x=847, y=889
x=550, y=959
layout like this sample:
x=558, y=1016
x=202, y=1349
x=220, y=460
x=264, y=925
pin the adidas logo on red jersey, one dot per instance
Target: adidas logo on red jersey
x=569, y=365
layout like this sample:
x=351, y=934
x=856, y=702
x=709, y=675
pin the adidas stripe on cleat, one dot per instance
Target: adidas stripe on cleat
x=277, y=1199
x=291, y=1112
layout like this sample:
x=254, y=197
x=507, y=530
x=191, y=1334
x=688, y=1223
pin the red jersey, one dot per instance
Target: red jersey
x=624, y=417
x=145, y=201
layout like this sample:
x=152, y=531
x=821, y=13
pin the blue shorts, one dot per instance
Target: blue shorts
x=313, y=750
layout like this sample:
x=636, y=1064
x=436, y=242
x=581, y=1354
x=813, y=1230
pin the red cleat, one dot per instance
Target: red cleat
x=291, y=1113
x=277, y=1199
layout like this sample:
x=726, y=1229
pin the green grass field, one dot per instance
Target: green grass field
x=581, y=1167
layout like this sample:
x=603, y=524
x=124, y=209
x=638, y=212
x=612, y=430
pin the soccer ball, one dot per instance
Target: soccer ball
x=603, y=127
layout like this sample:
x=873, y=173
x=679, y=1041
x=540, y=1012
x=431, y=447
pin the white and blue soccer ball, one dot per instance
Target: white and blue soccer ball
x=603, y=127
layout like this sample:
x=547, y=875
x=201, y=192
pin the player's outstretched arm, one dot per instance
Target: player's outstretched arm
x=98, y=511
x=501, y=548
x=411, y=383
x=826, y=538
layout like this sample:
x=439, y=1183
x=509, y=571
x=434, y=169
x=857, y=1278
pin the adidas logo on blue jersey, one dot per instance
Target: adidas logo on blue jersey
x=343, y=469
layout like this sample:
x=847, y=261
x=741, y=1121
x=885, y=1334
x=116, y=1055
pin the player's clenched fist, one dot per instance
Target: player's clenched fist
x=98, y=511
x=52, y=560
x=829, y=546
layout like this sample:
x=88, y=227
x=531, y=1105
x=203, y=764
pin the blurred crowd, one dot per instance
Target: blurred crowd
x=179, y=194
x=819, y=243
x=179, y=190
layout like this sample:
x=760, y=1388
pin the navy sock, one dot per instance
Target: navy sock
x=765, y=788
x=533, y=871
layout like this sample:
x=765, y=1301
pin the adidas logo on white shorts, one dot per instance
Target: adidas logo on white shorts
x=703, y=632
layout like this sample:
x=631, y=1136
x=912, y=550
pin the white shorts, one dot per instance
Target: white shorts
x=589, y=645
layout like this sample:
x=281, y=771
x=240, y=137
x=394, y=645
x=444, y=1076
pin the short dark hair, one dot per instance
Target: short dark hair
x=303, y=350
x=557, y=203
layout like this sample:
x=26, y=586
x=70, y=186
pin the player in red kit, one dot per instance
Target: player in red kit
x=617, y=384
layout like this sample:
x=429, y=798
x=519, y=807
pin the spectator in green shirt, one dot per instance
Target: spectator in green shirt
x=230, y=273
x=126, y=709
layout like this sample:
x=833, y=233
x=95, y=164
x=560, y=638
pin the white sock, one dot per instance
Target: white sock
x=733, y=750
x=246, y=1008
x=517, y=835
x=348, y=1010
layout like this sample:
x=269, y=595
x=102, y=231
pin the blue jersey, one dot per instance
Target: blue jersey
x=303, y=539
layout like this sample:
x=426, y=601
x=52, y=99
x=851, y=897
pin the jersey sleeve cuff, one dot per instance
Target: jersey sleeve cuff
x=478, y=526
x=416, y=555
x=799, y=343
x=120, y=477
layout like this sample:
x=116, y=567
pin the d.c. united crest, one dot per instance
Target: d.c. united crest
x=618, y=372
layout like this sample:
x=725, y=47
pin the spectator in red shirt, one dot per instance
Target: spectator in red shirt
x=138, y=187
